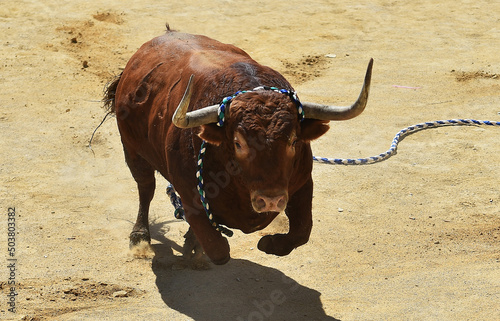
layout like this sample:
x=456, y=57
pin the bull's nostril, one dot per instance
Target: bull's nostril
x=281, y=203
x=260, y=203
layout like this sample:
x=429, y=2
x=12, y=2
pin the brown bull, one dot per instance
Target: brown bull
x=256, y=165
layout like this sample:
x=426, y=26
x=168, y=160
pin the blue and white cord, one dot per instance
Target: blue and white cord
x=402, y=133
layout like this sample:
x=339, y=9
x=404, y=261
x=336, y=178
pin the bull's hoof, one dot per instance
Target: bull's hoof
x=199, y=264
x=191, y=248
x=142, y=250
x=219, y=253
x=137, y=237
x=277, y=244
x=221, y=261
x=193, y=252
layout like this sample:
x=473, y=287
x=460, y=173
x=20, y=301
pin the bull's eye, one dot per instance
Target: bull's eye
x=291, y=145
x=240, y=145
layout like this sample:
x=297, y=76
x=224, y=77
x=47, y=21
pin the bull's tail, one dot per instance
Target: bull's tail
x=109, y=94
x=109, y=103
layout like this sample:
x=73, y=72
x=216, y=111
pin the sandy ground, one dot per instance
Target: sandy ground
x=416, y=237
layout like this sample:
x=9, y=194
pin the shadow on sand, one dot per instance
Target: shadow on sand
x=239, y=290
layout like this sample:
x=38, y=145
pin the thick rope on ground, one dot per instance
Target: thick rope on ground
x=399, y=136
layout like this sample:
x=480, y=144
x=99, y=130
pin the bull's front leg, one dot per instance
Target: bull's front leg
x=299, y=212
x=215, y=246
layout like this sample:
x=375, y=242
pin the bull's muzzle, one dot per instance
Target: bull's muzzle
x=263, y=201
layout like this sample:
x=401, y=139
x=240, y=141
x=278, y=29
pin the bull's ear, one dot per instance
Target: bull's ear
x=212, y=134
x=313, y=128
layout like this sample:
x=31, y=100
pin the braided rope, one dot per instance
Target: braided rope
x=201, y=191
x=176, y=202
x=399, y=136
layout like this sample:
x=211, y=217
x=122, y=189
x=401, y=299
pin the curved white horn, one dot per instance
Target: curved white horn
x=326, y=112
x=184, y=119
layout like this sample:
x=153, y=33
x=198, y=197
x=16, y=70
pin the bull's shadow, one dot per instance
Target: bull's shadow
x=239, y=290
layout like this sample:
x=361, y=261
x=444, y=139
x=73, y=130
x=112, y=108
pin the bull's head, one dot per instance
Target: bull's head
x=263, y=135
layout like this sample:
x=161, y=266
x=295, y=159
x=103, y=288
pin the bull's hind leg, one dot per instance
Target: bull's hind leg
x=299, y=212
x=144, y=175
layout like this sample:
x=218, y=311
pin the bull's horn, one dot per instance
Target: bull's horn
x=325, y=112
x=184, y=119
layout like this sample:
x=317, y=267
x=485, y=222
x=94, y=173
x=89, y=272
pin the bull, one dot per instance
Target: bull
x=256, y=165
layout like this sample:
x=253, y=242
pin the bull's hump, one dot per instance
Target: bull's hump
x=207, y=49
x=213, y=59
x=190, y=42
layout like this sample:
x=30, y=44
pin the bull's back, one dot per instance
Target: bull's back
x=153, y=82
x=182, y=54
x=161, y=68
